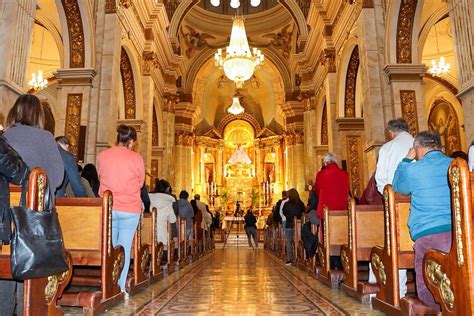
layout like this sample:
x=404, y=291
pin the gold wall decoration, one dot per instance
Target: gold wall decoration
x=328, y=59
x=409, y=113
x=145, y=259
x=76, y=33
x=444, y=121
x=109, y=218
x=281, y=40
x=456, y=192
x=154, y=131
x=154, y=167
x=441, y=281
x=324, y=127
x=182, y=139
x=351, y=81
x=111, y=5
x=73, y=120
x=406, y=17
x=355, y=163
x=195, y=41
x=128, y=83
x=345, y=262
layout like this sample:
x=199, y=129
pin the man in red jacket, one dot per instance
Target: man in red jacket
x=331, y=185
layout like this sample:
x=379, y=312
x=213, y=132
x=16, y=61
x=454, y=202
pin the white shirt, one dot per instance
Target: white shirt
x=283, y=217
x=164, y=214
x=471, y=158
x=390, y=156
x=206, y=217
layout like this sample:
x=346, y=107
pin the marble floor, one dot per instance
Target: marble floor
x=239, y=281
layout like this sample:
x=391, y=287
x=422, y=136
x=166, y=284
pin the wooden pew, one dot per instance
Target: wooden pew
x=313, y=265
x=397, y=253
x=365, y=230
x=449, y=276
x=87, y=231
x=182, y=241
x=40, y=295
x=334, y=236
x=298, y=247
x=155, y=248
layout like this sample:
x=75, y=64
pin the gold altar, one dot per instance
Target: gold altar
x=257, y=184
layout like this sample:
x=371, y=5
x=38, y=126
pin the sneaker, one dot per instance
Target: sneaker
x=126, y=296
x=288, y=263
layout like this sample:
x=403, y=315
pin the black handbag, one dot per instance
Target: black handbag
x=37, y=248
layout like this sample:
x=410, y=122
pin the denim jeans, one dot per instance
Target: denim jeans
x=252, y=233
x=441, y=242
x=124, y=225
x=289, y=233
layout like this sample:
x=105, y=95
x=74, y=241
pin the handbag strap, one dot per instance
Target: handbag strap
x=24, y=187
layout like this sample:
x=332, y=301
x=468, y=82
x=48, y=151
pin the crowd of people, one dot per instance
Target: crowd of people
x=25, y=144
x=415, y=166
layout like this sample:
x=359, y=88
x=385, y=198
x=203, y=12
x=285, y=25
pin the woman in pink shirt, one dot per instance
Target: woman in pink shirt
x=122, y=171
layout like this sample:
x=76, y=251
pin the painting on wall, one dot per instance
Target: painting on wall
x=443, y=119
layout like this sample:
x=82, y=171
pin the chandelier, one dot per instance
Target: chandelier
x=439, y=68
x=235, y=108
x=37, y=82
x=239, y=62
x=442, y=67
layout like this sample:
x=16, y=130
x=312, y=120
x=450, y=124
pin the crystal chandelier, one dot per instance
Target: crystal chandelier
x=235, y=108
x=38, y=82
x=439, y=68
x=442, y=67
x=239, y=62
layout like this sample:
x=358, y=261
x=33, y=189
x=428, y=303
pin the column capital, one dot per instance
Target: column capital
x=75, y=76
x=405, y=72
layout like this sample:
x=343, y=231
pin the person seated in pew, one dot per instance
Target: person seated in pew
x=145, y=198
x=312, y=207
x=71, y=174
x=26, y=135
x=163, y=200
x=122, y=171
x=90, y=174
x=12, y=170
x=294, y=207
x=186, y=211
x=426, y=180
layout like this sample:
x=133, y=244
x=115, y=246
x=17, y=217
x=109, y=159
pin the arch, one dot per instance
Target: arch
x=76, y=29
x=244, y=117
x=324, y=131
x=434, y=18
x=49, y=25
x=157, y=104
x=401, y=31
x=208, y=53
x=131, y=82
x=290, y=5
x=347, y=81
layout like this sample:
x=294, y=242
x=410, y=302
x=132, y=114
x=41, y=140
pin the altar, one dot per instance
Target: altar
x=239, y=163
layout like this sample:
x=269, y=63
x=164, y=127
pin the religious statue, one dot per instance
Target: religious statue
x=240, y=156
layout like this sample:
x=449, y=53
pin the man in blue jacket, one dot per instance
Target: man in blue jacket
x=71, y=174
x=430, y=212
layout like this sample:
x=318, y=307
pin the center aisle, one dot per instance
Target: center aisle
x=240, y=282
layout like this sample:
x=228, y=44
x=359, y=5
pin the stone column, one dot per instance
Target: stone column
x=330, y=83
x=310, y=140
x=104, y=99
x=406, y=83
x=219, y=166
x=461, y=13
x=74, y=94
x=16, y=28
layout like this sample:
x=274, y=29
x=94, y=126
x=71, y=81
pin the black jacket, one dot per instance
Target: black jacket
x=250, y=221
x=292, y=210
x=12, y=170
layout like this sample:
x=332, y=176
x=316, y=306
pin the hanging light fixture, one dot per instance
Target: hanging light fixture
x=236, y=108
x=37, y=82
x=442, y=67
x=239, y=62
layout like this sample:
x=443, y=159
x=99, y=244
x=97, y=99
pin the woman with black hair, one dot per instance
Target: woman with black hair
x=89, y=172
x=122, y=171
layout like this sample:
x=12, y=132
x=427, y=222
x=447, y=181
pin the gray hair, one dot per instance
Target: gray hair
x=329, y=157
x=398, y=125
x=428, y=139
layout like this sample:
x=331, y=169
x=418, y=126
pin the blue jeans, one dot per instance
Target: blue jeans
x=289, y=233
x=124, y=225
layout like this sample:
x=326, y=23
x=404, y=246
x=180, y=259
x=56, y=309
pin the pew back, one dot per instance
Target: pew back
x=450, y=277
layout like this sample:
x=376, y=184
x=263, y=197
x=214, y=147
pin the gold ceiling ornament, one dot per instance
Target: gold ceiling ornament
x=239, y=62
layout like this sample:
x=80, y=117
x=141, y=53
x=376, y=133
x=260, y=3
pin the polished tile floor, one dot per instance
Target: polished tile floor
x=239, y=281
